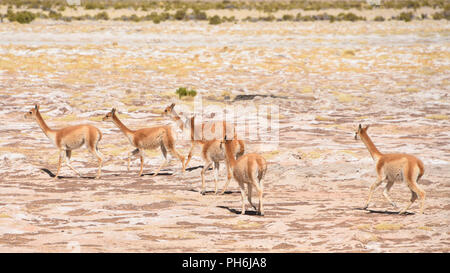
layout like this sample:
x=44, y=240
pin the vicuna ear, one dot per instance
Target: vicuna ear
x=172, y=105
x=367, y=127
x=360, y=127
x=36, y=106
x=113, y=110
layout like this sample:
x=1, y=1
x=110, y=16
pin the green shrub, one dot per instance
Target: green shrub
x=288, y=17
x=445, y=14
x=349, y=17
x=54, y=15
x=183, y=92
x=215, y=20
x=228, y=19
x=180, y=14
x=379, y=18
x=306, y=18
x=22, y=17
x=405, y=16
x=268, y=18
x=199, y=15
x=134, y=18
x=101, y=16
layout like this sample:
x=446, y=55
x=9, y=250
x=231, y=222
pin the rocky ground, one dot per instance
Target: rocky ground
x=328, y=79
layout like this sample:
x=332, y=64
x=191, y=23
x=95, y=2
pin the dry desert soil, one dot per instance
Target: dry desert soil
x=327, y=79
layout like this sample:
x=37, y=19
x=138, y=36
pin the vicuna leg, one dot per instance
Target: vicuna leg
x=216, y=175
x=229, y=175
x=386, y=192
x=259, y=189
x=175, y=153
x=61, y=156
x=415, y=192
x=249, y=195
x=67, y=161
x=169, y=144
x=242, y=186
x=189, y=155
x=141, y=156
x=372, y=189
x=260, y=195
x=98, y=155
x=164, y=153
x=130, y=154
x=205, y=168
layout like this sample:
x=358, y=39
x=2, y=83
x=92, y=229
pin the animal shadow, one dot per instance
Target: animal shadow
x=212, y=192
x=383, y=211
x=194, y=168
x=160, y=173
x=247, y=212
x=52, y=175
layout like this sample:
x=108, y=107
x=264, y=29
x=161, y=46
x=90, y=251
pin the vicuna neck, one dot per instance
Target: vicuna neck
x=370, y=146
x=177, y=119
x=121, y=126
x=229, y=154
x=47, y=131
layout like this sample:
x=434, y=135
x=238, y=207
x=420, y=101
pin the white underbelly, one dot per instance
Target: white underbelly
x=73, y=144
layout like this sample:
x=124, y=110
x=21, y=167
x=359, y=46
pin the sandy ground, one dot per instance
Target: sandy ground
x=330, y=78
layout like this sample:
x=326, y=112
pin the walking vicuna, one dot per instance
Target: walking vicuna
x=70, y=138
x=212, y=152
x=393, y=167
x=190, y=124
x=249, y=169
x=147, y=138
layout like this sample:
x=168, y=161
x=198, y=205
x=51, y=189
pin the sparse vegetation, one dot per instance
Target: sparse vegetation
x=215, y=20
x=180, y=10
x=264, y=6
x=184, y=92
x=405, y=16
x=445, y=14
x=288, y=17
x=101, y=16
x=180, y=14
x=22, y=17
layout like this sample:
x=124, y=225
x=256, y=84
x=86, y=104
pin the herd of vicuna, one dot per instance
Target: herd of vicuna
x=247, y=169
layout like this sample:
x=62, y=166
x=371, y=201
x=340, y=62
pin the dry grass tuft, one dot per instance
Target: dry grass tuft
x=388, y=226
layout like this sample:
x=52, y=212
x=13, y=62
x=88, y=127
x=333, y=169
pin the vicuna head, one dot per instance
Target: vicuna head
x=226, y=139
x=32, y=113
x=360, y=131
x=168, y=109
x=109, y=115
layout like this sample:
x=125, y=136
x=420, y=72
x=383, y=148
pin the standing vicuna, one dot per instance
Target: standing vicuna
x=249, y=169
x=148, y=138
x=212, y=152
x=70, y=138
x=189, y=124
x=393, y=167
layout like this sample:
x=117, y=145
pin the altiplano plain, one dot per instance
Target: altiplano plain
x=328, y=78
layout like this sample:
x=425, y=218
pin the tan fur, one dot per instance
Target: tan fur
x=212, y=152
x=70, y=138
x=148, y=138
x=248, y=169
x=394, y=167
x=205, y=127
